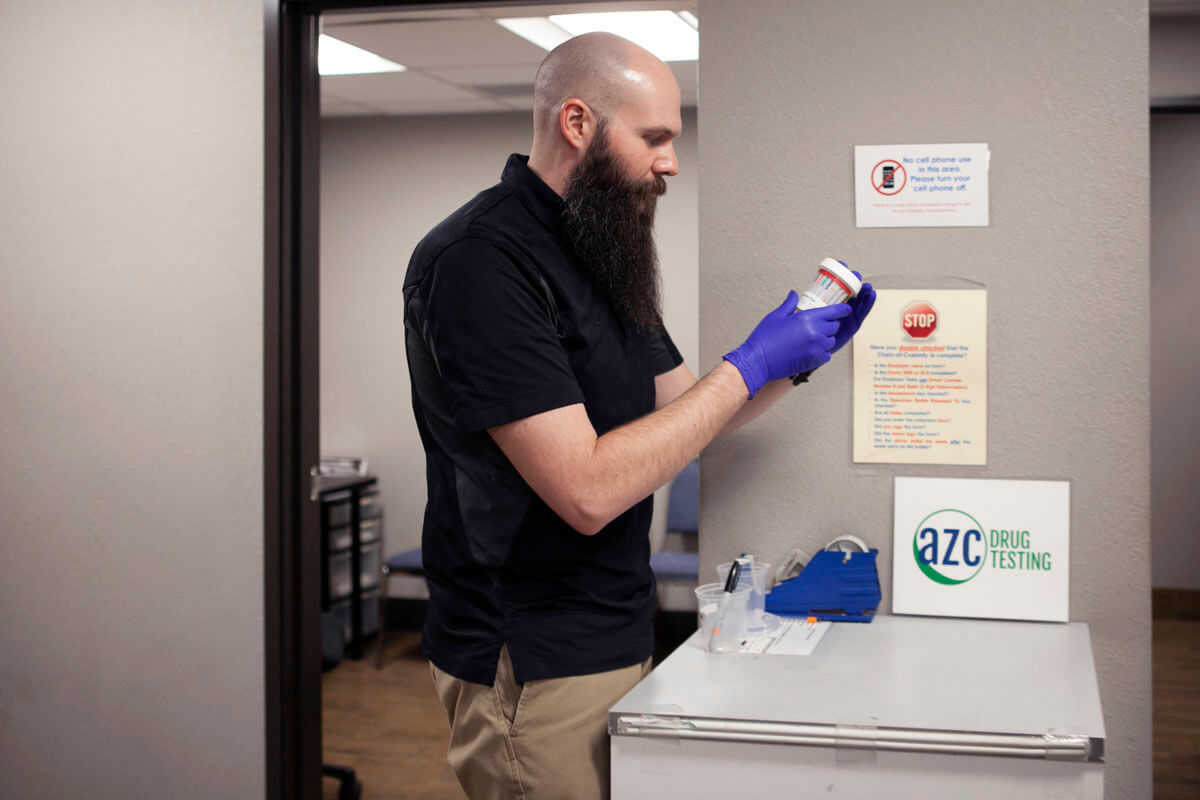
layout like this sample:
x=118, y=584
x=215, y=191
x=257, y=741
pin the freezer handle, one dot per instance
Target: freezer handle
x=1051, y=747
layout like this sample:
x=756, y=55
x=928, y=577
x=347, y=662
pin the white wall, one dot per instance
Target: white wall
x=1058, y=91
x=385, y=181
x=131, y=258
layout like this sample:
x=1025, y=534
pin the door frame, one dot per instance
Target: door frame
x=291, y=388
x=291, y=393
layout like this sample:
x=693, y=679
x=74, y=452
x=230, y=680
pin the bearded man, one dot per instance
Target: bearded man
x=551, y=403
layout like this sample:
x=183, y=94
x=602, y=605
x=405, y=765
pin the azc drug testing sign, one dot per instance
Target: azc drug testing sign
x=995, y=549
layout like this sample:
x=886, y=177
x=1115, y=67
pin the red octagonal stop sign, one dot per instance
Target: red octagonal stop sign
x=919, y=319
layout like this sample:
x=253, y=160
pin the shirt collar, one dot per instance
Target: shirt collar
x=541, y=201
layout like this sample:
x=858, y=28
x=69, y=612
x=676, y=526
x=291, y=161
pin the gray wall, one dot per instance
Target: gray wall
x=130, y=400
x=788, y=91
x=130, y=323
x=384, y=183
x=1175, y=334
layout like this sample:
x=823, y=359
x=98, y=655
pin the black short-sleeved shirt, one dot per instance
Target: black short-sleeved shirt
x=500, y=324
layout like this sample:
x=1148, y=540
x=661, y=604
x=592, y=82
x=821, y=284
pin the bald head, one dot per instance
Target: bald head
x=601, y=69
x=598, y=83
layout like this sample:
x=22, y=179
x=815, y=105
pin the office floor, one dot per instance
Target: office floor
x=1176, y=709
x=391, y=728
x=388, y=725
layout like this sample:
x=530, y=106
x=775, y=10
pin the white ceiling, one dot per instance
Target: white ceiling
x=459, y=60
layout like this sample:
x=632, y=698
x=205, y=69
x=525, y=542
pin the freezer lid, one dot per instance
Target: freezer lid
x=1032, y=684
x=1049, y=746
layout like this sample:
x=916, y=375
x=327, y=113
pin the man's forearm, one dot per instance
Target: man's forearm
x=590, y=480
x=764, y=399
x=635, y=459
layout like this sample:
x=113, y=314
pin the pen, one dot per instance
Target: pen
x=735, y=570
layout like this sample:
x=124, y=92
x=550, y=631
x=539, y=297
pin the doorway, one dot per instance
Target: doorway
x=341, y=152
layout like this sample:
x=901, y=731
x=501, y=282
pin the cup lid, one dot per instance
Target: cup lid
x=844, y=274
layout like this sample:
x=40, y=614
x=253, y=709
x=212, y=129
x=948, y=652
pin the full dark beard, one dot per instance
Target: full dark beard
x=609, y=222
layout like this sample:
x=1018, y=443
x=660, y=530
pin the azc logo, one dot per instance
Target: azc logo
x=950, y=546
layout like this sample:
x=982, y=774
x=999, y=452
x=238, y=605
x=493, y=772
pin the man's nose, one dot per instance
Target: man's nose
x=666, y=163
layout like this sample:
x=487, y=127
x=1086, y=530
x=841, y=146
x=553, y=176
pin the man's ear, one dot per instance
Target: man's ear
x=577, y=124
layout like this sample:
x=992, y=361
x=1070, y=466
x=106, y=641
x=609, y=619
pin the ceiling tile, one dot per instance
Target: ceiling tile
x=336, y=107
x=334, y=19
x=479, y=105
x=392, y=88
x=502, y=75
x=518, y=103
x=460, y=61
x=445, y=43
x=590, y=8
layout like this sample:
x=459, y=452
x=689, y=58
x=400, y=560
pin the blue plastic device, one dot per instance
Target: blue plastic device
x=837, y=586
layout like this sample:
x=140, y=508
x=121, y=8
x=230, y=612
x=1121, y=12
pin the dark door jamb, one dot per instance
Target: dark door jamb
x=291, y=390
x=291, y=545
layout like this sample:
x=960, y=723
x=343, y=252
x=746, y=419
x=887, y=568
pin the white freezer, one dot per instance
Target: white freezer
x=895, y=708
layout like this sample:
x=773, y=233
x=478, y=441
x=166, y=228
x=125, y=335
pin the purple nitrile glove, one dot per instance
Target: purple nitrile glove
x=860, y=306
x=784, y=343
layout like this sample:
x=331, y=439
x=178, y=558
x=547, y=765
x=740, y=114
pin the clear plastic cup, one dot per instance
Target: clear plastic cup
x=835, y=283
x=737, y=613
x=758, y=579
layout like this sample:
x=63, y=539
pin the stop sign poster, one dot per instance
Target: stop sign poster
x=920, y=378
x=921, y=185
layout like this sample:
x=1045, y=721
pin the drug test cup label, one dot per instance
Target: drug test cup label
x=835, y=283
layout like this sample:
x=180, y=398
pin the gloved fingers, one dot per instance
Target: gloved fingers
x=828, y=327
x=834, y=312
x=865, y=295
x=789, y=305
x=866, y=300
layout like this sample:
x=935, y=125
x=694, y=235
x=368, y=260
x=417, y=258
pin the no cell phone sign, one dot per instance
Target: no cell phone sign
x=919, y=320
x=889, y=177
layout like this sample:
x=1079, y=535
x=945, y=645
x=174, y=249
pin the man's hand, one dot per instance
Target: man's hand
x=860, y=306
x=786, y=343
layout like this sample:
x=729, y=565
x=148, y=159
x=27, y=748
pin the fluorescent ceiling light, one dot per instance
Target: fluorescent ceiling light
x=664, y=33
x=689, y=18
x=539, y=30
x=335, y=57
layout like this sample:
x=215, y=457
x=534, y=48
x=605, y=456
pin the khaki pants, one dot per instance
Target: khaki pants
x=540, y=740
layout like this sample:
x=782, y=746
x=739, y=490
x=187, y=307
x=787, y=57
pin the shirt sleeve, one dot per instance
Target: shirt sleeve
x=492, y=328
x=664, y=356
